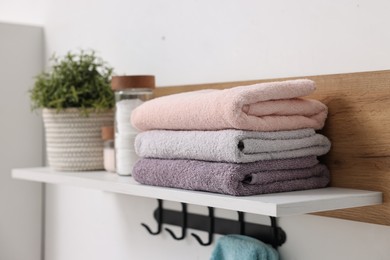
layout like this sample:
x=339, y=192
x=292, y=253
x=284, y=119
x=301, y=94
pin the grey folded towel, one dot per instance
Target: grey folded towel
x=230, y=145
x=234, y=179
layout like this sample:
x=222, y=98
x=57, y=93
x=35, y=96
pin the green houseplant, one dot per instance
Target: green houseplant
x=77, y=80
x=76, y=101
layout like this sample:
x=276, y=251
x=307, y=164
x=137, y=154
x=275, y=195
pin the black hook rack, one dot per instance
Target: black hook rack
x=210, y=229
x=159, y=219
x=183, y=224
x=271, y=234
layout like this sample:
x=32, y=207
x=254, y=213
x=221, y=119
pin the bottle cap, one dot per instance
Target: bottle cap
x=107, y=133
x=134, y=81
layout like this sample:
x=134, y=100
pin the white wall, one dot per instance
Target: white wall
x=198, y=41
x=23, y=11
x=21, y=57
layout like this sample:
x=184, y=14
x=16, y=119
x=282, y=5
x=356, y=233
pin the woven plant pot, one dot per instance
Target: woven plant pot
x=73, y=141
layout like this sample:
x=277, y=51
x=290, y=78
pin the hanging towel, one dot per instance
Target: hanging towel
x=230, y=145
x=239, y=247
x=234, y=179
x=269, y=106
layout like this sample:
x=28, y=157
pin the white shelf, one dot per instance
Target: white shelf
x=277, y=205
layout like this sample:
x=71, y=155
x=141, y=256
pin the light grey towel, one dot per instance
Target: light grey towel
x=230, y=145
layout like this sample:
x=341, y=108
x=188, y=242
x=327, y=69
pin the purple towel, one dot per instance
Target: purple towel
x=259, y=177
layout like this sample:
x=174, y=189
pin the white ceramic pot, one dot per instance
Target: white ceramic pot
x=73, y=141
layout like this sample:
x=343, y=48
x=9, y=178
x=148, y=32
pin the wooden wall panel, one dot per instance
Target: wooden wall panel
x=358, y=125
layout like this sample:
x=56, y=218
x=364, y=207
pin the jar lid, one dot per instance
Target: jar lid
x=133, y=81
x=107, y=133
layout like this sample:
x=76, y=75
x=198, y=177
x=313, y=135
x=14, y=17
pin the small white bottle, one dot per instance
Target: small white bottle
x=109, y=148
x=130, y=92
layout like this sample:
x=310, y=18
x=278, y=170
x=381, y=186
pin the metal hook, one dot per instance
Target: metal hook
x=210, y=231
x=184, y=224
x=275, y=232
x=242, y=222
x=160, y=220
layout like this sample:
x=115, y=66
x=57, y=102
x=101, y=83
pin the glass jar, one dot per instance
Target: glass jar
x=130, y=92
x=108, y=148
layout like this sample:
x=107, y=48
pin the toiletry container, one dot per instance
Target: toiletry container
x=108, y=148
x=130, y=92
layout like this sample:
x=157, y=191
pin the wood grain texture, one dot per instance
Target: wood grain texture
x=358, y=125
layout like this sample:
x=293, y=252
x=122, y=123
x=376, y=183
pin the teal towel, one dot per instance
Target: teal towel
x=238, y=247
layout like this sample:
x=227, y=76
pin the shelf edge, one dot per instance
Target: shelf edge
x=251, y=204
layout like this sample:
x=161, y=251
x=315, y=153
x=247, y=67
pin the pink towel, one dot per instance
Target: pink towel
x=272, y=106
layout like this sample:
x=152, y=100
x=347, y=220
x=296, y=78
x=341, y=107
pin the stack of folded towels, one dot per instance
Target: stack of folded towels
x=241, y=141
